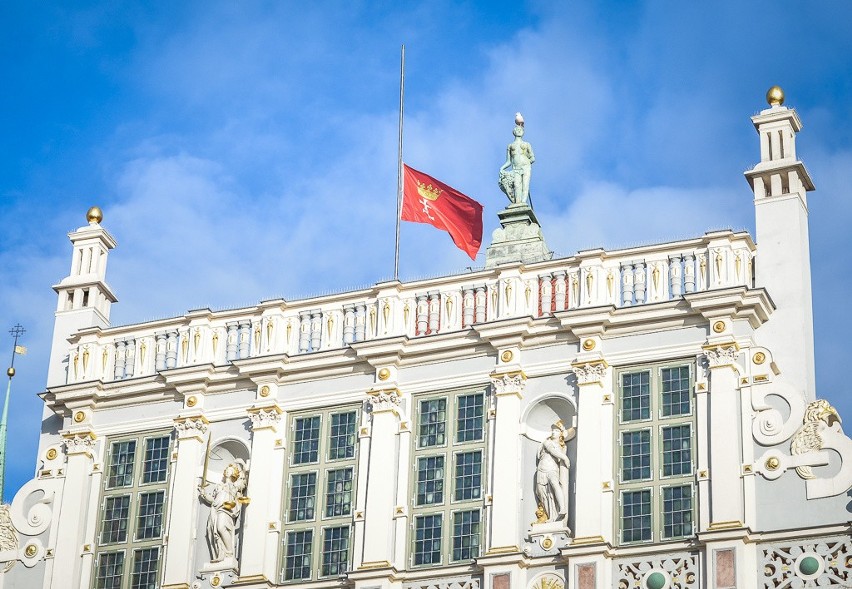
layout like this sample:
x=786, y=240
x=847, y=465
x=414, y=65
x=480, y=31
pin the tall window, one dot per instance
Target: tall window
x=656, y=453
x=448, y=478
x=133, y=511
x=320, y=495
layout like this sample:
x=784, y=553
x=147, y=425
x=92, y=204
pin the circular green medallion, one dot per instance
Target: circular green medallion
x=656, y=581
x=808, y=565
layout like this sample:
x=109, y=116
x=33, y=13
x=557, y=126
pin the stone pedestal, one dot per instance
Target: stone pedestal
x=547, y=538
x=519, y=239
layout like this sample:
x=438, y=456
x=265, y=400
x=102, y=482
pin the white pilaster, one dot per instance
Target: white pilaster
x=183, y=507
x=508, y=386
x=259, y=552
x=594, y=485
x=379, y=505
x=726, y=487
x=67, y=565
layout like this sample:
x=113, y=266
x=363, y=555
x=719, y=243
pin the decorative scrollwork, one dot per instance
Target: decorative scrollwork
x=193, y=426
x=509, y=383
x=822, y=562
x=385, y=400
x=263, y=418
x=590, y=372
x=680, y=569
x=8, y=536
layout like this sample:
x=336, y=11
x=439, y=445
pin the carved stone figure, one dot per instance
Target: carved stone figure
x=819, y=415
x=551, y=476
x=226, y=501
x=515, y=173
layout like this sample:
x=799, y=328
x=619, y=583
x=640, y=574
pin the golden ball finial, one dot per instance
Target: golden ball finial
x=94, y=215
x=775, y=96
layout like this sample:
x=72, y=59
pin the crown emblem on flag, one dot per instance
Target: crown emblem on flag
x=428, y=191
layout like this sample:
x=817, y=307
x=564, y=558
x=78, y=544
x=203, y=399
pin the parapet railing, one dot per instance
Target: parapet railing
x=621, y=278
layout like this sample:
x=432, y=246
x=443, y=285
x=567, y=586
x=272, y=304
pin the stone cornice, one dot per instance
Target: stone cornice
x=503, y=333
x=753, y=304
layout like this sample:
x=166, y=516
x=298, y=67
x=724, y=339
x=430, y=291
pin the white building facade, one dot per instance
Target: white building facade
x=640, y=418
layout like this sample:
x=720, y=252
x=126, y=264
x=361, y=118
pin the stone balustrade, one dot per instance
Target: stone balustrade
x=622, y=278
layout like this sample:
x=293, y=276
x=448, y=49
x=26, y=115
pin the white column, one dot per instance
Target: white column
x=259, y=552
x=183, y=504
x=79, y=446
x=594, y=484
x=726, y=488
x=379, y=504
x=505, y=485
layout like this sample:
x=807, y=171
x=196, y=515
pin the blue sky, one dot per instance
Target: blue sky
x=243, y=151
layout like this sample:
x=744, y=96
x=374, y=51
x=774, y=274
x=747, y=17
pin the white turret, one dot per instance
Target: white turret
x=783, y=266
x=84, y=296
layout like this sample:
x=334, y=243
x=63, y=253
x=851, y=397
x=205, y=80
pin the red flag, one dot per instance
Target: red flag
x=426, y=200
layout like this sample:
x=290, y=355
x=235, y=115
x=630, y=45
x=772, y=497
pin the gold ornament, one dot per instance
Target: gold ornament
x=51, y=454
x=104, y=358
x=759, y=358
x=719, y=326
x=196, y=341
x=589, y=345
x=384, y=374
x=85, y=359
x=79, y=417
x=540, y=515
x=191, y=402
x=772, y=463
x=94, y=215
x=775, y=96
x=264, y=391
x=142, y=349
x=406, y=311
x=257, y=336
x=31, y=550
x=507, y=356
x=215, y=341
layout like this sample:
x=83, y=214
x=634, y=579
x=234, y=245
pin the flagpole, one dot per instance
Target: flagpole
x=16, y=332
x=399, y=162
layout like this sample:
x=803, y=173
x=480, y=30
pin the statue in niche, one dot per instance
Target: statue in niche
x=515, y=173
x=226, y=501
x=551, y=475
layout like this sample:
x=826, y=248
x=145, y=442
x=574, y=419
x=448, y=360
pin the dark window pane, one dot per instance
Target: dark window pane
x=470, y=416
x=306, y=440
x=338, y=492
x=342, y=440
x=468, y=479
x=335, y=551
x=432, y=429
x=635, y=396
x=121, y=457
x=465, y=535
x=115, y=518
x=676, y=391
x=156, y=461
